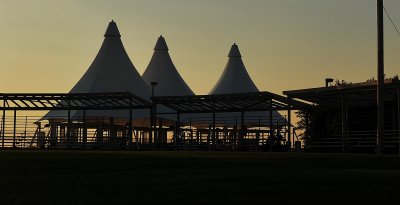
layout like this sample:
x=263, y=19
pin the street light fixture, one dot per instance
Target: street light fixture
x=327, y=81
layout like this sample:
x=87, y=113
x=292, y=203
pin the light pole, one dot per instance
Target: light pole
x=381, y=79
x=153, y=113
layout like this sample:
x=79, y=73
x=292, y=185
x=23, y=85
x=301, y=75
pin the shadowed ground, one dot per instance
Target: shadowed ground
x=56, y=177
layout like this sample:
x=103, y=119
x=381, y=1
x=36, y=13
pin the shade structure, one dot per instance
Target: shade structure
x=162, y=70
x=236, y=79
x=110, y=71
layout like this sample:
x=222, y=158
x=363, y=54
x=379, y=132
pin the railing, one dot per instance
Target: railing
x=357, y=141
x=234, y=120
x=29, y=132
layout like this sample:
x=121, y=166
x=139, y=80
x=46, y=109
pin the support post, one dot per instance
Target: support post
x=293, y=140
x=307, y=131
x=155, y=124
x=177, y=126
x=130, y=129
x=3, y=124
x=236, y=136
x=84, y=136
x=381, y=81
x=242, y=127
x=271, y=130
x=160, y=131
x=191, y=130
x=53, y=133
x=398, y=116
x=213, y=130
x=69, y=127
x=289, y=125
x=15, y=128
x=258, y=135
x=152, y=113
x=151, y=126
x=344, y=123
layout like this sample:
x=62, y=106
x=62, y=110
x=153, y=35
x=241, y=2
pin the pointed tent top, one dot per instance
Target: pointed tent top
x=112, y=30
x=234, y=52
x=161, y=69
x=161, y=44
x=234, y=72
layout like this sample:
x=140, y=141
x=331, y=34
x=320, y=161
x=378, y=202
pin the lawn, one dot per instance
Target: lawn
x=104, y=177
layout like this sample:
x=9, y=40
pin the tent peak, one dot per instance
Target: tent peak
x=234, y=52
x=161, y=44
x=112, y=30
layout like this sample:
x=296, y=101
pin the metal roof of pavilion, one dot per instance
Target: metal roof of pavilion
x=237, y=102
x=72, y=101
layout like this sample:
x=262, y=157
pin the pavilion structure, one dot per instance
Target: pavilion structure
x=234, y=114
x=237, y=137
x=111, y=71
x=113, y=107
x=83, y=132
x=75, y=132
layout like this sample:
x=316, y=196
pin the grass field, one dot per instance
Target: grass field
x=56, y=177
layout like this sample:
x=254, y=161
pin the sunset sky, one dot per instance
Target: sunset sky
x=47, y=45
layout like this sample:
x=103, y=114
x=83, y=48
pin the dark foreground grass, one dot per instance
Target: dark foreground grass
x=197, y=178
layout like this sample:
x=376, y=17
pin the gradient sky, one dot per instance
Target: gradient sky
x=47, y=45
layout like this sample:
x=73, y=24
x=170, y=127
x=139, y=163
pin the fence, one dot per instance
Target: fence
x=31, y=132
x=357, y=141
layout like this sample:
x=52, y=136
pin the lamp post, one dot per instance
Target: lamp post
x=153, y=113
x=381, y=79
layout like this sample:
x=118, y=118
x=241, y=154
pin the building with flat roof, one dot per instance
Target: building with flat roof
x=344, y=116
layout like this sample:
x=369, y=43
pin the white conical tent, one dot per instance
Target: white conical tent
x=235, y=79
x=111, y=71
x=162, y=70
